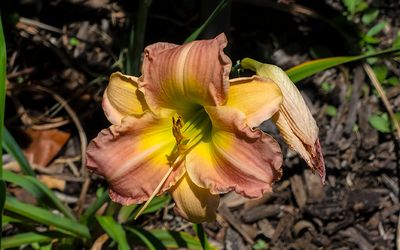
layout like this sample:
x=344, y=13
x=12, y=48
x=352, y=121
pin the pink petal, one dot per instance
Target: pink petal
x=180, y=77
x=193, y=203
x=133, y=157
x=234, y=157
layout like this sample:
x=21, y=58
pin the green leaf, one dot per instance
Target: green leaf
x=172, y=239
x=310, y=68
x=3, y=69
x=73, y=41
x=43, y=216
x=381, y=72
x=260, y=245
x=146, y=238
x=158, y=202
x=393, y=80
x=327, y=87
x=396, y=42
x=397, y=116
x=92, y=209
x=376, y=29
x=8, y=220
x=11, y=146
x=213, y=15
x=380, y=123
x=39, y=190
x=370, y=39
x=355, y=6
x=331, y=110
x=370, y=16
x=198, y=228
x=138, y=36
x=114, y=230
x=21, y=239
x=125, y=212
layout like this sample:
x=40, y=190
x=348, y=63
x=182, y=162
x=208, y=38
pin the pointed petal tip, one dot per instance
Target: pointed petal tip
x=318, y=161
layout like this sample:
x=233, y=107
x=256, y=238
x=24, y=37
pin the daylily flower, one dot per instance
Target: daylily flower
x=183, y=127
x=294, y=120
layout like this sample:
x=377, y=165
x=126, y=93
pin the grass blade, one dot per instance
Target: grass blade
x=309, y=68
x=39, y=190
x=24, y=239
x=3, y=59
x=92, y=209
x=198, y=228
x=140, y=30
x=43, y=216
x=145, y=237
x=172, y=239
x=114, y=230
x=12, y=147
x=213, y=15
x=8, y=220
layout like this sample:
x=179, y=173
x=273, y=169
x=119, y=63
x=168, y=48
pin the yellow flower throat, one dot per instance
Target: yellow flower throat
x=188, y=134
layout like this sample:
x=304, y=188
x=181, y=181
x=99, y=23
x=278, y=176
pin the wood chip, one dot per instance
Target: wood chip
x=254, y=203
x=315, y=190
x=266, y=228
x=354, y=236
x=231, y=219
x=233, y=241
x=298, y=189
x=233, y=200
x=261, y=212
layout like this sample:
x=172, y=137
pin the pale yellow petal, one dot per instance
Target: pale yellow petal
x=258, y=98
x=122, y=98
x=193, y=203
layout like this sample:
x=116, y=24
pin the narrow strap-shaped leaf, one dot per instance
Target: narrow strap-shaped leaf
x=198, y=228
x=39, y=190
x=114, y=230
x=213, y=15
x=28, y=238
x=148, y=239
x=12, y=147
x=309, y=68
x=92, y=209
x=171, y=239
x=3, y=69
x=139, y=33
x=43, y=216
x=9, y=219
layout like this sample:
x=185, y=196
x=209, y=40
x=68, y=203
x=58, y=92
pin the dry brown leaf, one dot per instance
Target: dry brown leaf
x=98, y=244
x=52, y=182
x=22, y=195
x=45, y=145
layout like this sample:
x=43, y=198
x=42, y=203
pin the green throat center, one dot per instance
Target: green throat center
x=189, y=133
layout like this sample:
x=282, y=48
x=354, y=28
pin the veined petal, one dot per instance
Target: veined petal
x=294, y=119
x=122, y=98
x=258, y=98
x=181, y=77
x=134, y=157
x=234, y=157
x=193, y=203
